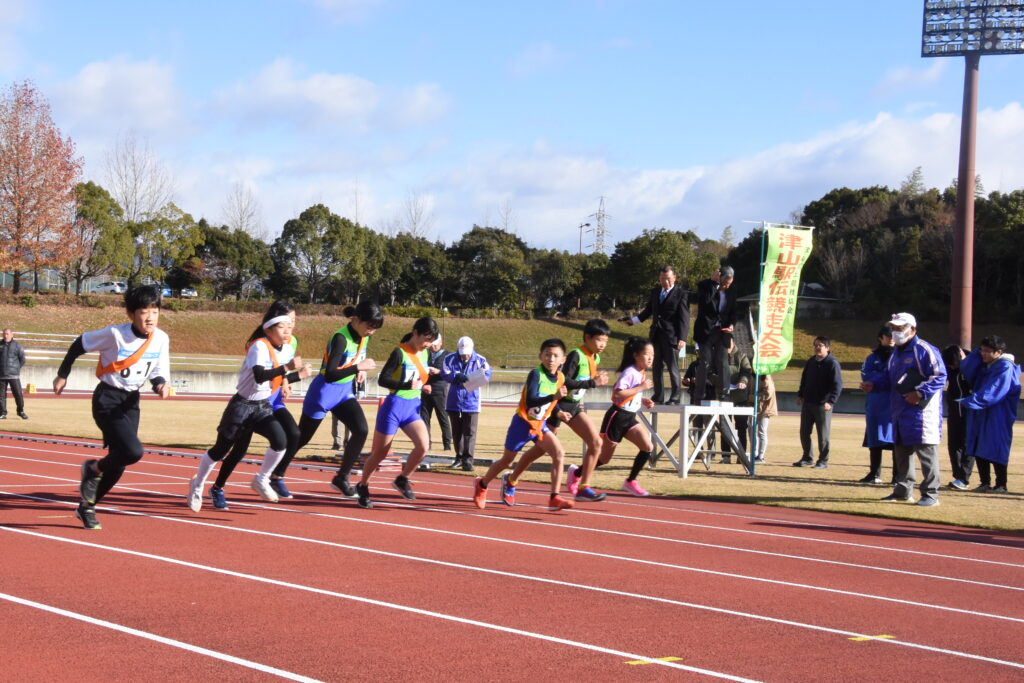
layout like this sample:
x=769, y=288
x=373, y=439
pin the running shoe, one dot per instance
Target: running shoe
x=401, y=483
x=363, y=496
x=572, y=479
x=633, y=487
x=870, y=479
x=983, y=488
x=479, y=493
x=556, y=502
x=90, y=482
x=280, y=489
x=590, y=495
x=958, y=485
x=220, y=502
x=726, y=459
x=928, y=502
x=195, y=495
x=998, y=489
x=341, y=485
x=88, y=517
x=262, y=487
x=896, y=498
x=508, y=491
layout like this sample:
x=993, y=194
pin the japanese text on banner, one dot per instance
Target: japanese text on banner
x=788, y=249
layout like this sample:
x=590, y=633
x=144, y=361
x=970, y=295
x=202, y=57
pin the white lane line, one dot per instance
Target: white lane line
x=558, y=549
x=682, y=541
x=160, y=639
x=381, y=603
x=568, y=584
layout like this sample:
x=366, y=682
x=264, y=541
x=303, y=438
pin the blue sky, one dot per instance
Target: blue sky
x=685, y=115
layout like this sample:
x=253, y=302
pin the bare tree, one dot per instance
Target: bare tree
x=417, y=219
x=137, y=179
x=507, y=217
x=842, y=265
x=242, y=211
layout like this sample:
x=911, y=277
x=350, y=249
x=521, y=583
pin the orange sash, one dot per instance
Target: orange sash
x=424, y=373
x=623, y=402
x=276, y=382
x=591, y=365
x=537, y=426
x=119, y=365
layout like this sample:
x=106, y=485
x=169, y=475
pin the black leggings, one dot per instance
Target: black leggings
x=116, y=413
x=268, y=427
x=350, y=414
x=244, y=439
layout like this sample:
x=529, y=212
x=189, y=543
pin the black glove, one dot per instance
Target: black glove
x=461, y=378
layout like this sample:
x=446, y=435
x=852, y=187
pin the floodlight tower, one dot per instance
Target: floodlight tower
x=971, y=28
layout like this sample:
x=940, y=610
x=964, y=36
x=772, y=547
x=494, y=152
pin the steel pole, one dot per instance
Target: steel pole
x=962, y=292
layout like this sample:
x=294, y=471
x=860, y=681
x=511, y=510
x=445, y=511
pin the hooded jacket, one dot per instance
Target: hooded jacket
x=921, y=424
x=992, y=408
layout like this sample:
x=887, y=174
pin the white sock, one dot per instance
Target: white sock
x=270, y=460
x=206, y=465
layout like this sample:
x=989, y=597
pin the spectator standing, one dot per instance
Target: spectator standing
x=716, y=313
x=957, y=388
x=820, y=385
x=767, y=408
x=992, y=408
x=464, y=404
x=436, y=399
x=12, y=358
x=916, y=375
x=874, y=381
x=741, y=384
x=668, y=307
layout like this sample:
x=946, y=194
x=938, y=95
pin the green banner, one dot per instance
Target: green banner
x=788, y=249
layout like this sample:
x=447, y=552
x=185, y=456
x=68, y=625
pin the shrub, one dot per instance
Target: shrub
x=28, y=301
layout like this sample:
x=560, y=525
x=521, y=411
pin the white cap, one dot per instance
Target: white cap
x=901, y=319
x=438, y=341
x=465, y=346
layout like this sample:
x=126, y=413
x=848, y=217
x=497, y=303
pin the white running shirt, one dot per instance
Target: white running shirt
x=259, y=354
x=118, y=342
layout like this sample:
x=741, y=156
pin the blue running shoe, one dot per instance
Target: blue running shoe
x=508, y=491
x=279, y=488
x=219, y=501
x=589, y=494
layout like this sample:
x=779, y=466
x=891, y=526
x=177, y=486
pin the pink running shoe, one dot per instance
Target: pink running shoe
x=572, y=479
x=634, y=488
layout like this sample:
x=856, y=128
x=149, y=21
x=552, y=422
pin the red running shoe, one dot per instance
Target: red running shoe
x=556, y=502
x=479, y=493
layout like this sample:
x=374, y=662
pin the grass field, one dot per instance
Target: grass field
x=192, y=424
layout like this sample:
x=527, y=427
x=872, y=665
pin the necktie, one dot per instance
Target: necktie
x=664, y=293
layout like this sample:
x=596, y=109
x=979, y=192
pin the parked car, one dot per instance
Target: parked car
x=165, y=291
x=189, y=293
x=110, y=288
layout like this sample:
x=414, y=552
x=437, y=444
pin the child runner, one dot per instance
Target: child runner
x=405, y=374
x=581, y=373
x=130, y=354
x=269, y=357
x=241, y=447
x=545, y=386
x=627, y=398
x=333, y=390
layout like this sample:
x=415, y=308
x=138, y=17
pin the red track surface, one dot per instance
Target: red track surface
x=316, y=588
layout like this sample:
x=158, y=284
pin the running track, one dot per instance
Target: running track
x=317, y=589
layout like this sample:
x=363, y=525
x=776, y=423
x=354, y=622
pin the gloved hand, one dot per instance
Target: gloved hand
x=461, y=378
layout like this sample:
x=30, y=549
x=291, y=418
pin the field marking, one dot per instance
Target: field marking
x=249, y=664
x=381, y=603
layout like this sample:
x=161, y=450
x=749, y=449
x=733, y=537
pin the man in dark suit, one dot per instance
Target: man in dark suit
x=668, y=307
x=716, y=313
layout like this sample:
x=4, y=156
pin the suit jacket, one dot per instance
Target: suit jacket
x=711, y=314
x=669, y=318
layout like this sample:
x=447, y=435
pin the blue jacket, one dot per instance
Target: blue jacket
x=877, y=411
x=921, y=424
x=460, y=400
x=992, y=407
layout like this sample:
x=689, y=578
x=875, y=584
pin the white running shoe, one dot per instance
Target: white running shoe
x=262, y=487
x=195, y=496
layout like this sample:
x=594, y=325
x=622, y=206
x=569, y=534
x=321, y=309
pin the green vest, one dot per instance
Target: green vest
x=582, y=373
x=354, y=352
x=408, y=371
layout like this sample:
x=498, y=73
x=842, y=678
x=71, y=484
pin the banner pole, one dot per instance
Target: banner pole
x=757, y=382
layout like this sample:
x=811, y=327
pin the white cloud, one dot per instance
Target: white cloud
x=900, y=78
x=348, y=104
x=119, y=94
x=535, y=58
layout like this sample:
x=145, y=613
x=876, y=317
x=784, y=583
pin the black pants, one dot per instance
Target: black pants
x=742, y=423
x=985, y=468
x=464, y=434
x=243, y=440
x=350, y=414
x=875, y=456
x=712, y=357
x=19, y=399
x=268, y=427
x=116, y=413
x=814, y=415
x=666, y=355
x=961, y=464
x=435, y=401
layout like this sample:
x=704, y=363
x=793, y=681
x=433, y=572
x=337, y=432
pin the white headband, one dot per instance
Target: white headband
x=274, y=321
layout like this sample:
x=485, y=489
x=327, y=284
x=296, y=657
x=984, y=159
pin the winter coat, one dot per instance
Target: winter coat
x=821, y=381
x=740, y=371
x=460, y=400
x=767, y=405
x=877, y=411
x=992, y=408
x=12, y=357
x=921, y=424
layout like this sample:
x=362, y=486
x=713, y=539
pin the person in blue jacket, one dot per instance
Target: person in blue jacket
x=463, y=406
x=877, y=412
x=916, y=378
x=992, y=408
